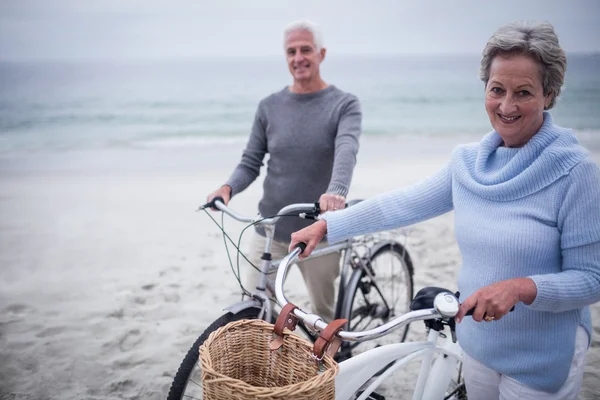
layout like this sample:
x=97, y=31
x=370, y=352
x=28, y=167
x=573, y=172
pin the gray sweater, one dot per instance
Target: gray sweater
x=312, y=141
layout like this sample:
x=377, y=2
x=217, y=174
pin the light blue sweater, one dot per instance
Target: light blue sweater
x=531, y=212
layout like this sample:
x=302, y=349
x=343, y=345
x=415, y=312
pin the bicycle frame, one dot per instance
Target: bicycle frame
x=434, y=375
x=266, y=288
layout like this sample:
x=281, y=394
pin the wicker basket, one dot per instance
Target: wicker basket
x=237, y=364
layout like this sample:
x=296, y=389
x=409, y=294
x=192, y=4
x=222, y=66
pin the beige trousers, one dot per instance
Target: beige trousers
x=319, y=274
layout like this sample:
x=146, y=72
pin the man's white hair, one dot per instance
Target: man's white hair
x=304, y=25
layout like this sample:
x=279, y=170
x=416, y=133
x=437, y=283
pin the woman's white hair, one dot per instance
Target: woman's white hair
x=304, y=25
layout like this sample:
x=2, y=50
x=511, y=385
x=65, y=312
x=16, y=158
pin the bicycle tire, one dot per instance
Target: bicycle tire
x=361, y=281
x=184, y=373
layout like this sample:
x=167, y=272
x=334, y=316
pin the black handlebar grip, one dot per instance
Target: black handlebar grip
x=470, y=312
x=301, y=246
x=218, y=198
x=317, y=208
x=211, y=204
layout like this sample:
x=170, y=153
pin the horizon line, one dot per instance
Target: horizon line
x=263, y=56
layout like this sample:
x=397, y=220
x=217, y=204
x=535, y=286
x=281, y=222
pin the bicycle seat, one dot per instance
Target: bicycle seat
x=424, y=297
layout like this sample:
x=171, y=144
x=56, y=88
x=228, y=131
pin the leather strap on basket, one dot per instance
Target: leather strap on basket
x=328, y=343
x=286, y=319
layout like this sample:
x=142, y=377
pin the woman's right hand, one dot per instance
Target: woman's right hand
x=311, y=235
x=224, y=192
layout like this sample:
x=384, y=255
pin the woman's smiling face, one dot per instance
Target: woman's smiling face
x=514, y=98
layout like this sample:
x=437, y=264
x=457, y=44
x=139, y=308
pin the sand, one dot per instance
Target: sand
x=108, y=274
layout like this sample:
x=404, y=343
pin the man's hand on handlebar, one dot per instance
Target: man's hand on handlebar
x=311, y=235
x=331, y=202
x=224, y=192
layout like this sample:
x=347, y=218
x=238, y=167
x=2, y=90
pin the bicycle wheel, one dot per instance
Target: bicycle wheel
x=187, y=383
x=457, y=389
x=379, y=291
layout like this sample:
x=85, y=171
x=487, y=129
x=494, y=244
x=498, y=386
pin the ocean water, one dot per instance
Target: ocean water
x=55, y=106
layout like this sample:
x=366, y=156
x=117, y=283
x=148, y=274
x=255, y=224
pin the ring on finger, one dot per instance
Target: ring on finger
x=489, y=319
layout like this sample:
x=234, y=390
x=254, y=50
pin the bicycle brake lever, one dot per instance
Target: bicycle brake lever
x=472, y=310
x=314, y=214
x=452, y=325
x=307, y=216
x=317, y=208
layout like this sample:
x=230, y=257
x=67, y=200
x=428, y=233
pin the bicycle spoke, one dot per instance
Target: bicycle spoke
x=384, y=291
x=353, y=328
x=363, y=314
x=364, y=326
x=359, y=310
x=194, y=382
x=394, y=282
x=354, y=345
x=191, y=397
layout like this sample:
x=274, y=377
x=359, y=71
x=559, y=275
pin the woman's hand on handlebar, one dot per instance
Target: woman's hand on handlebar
x=224, y=192
x=496, y=300
x=331, y=202
x=311, y=235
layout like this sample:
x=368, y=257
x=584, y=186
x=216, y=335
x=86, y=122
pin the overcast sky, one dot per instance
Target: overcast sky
x=109, y=29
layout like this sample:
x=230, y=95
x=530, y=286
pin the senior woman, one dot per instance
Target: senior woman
x=527, y=220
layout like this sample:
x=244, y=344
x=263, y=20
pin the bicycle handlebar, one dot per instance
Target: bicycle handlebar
x=292, y=209
x=445, y=306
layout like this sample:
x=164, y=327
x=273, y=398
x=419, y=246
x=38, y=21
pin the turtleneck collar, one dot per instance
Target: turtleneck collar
x=504, y=174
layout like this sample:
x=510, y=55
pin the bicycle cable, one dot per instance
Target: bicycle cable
x=237, y=247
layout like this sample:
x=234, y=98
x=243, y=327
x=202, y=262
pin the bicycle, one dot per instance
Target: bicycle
x=357, y=377
x=367, y=295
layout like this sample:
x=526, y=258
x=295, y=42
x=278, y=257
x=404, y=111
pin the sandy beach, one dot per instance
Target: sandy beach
x=108, y=274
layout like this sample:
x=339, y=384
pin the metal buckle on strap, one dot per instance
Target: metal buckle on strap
x=328, y=343
x=286, y=319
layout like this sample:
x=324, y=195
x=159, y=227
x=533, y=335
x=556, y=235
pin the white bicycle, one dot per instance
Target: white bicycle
x=441, y=355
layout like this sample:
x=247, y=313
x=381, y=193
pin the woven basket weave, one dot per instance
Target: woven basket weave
x=237, y=364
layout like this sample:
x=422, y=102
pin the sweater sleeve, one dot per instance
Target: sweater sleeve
x=346, y=147
x=252, y=158
x=423, y=200
x=578, y=284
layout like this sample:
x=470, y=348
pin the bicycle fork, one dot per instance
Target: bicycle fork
x=434, y=379
x=356, y=371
